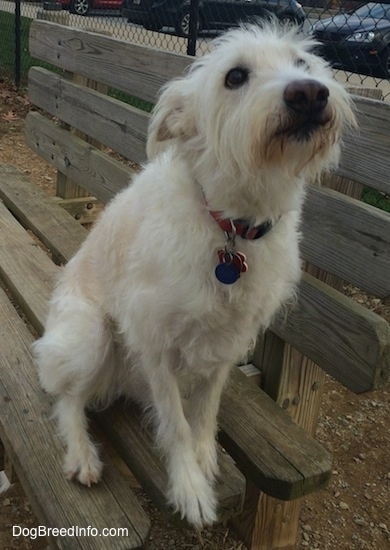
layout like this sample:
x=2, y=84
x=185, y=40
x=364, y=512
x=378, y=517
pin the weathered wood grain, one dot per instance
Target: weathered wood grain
x=137, y=70
x=348, y=238
x=111, y=122
x=100, y=174
x=365, y=155
x=40, y=213
x=25, y=269
x=348, y=341
x=244, y=408
x=141, y=71
x=29, y=435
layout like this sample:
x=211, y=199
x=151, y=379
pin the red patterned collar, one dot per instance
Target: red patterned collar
x=242, y=227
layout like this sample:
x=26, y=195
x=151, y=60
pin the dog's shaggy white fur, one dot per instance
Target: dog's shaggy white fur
x=240, y=134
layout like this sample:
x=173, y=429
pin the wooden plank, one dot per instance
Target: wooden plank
x=36, y=211
x=29, y=435
x=123, y=424
x=111, y=122
x=348, y=341
x=93, y=170
x=86, y=210
x=137, y=70
x=365, y=155
x=347, y=238
x=26, y=270
x=261, y=436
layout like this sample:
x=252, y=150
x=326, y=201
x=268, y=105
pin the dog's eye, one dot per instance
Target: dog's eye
x=301, y=63
x=236, y=77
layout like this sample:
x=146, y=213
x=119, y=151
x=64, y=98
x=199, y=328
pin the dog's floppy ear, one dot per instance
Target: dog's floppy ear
x=171, y=118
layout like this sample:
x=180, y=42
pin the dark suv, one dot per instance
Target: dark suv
x=213, y=14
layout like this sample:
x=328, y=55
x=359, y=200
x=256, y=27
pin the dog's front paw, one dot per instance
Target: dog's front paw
x=207, y=457
x=86, y=466
x=193, y=497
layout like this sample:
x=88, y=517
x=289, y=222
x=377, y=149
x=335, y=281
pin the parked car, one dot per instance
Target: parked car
x=213, y=14
x=359, y=40
x=83, y=7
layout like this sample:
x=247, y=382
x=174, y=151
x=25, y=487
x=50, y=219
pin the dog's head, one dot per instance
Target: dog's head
x=260, y=100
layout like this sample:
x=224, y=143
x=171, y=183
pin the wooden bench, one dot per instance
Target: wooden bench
x=267, y=430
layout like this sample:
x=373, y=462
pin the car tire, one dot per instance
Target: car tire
x=288, y=19
x=80, y=7
x=182, y=25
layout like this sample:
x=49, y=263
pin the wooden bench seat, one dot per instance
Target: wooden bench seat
x=267, y=431
x=283, y=459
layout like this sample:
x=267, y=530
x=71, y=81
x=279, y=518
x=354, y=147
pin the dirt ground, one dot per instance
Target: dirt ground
x=353, y=513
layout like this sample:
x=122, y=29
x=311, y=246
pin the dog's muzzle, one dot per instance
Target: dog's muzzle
x=307, y=102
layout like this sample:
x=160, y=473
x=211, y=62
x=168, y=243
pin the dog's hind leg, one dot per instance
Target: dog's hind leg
x=82, y=460
x=73, y=359
x=203, y=405
x=189, y=491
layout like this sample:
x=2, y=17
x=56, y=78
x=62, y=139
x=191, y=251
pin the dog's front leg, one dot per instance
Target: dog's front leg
x=203, y=405
x=189, y=491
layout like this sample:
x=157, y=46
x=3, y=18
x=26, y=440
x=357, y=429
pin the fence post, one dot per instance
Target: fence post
x=17, y=44
x=194, y=27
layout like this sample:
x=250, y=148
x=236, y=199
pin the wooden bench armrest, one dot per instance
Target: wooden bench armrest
x=281, y=458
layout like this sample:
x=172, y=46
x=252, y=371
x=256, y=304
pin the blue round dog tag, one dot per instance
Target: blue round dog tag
x=227, y=273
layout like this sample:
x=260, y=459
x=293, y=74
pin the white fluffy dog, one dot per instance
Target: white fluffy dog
x=197, y=254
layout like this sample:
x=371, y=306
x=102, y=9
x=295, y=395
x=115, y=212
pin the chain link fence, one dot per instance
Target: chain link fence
x=354, y=36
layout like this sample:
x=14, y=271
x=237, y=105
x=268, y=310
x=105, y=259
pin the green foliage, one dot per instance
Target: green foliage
x=376, y=198
x=131, y=100
x=7, y=50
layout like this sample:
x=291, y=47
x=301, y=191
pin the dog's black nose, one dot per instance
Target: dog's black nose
x=306, y=96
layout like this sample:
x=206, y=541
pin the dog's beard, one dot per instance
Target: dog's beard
x=298, y=139
x=303, y=126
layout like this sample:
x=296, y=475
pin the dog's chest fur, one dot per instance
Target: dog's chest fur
x=158, y=279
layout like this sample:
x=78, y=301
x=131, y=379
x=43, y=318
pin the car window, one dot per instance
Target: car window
x=373, y=10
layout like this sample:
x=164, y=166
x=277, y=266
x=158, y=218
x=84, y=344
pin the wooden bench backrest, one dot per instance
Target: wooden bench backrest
x=342, y=235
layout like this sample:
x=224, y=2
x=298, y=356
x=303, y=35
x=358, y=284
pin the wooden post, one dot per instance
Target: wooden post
x=66, y=188
x=297, y=385
x=76, y=200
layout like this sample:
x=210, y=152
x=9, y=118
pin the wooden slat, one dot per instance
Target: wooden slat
x=36, y=211
x=111, y=122
x=100, y=174
x=26, y=270
x=138, y=70
x=348, y=341
x=365, y=156
x=124, y=426
x=30, y=438
x=245, y=407
x=348, y=238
